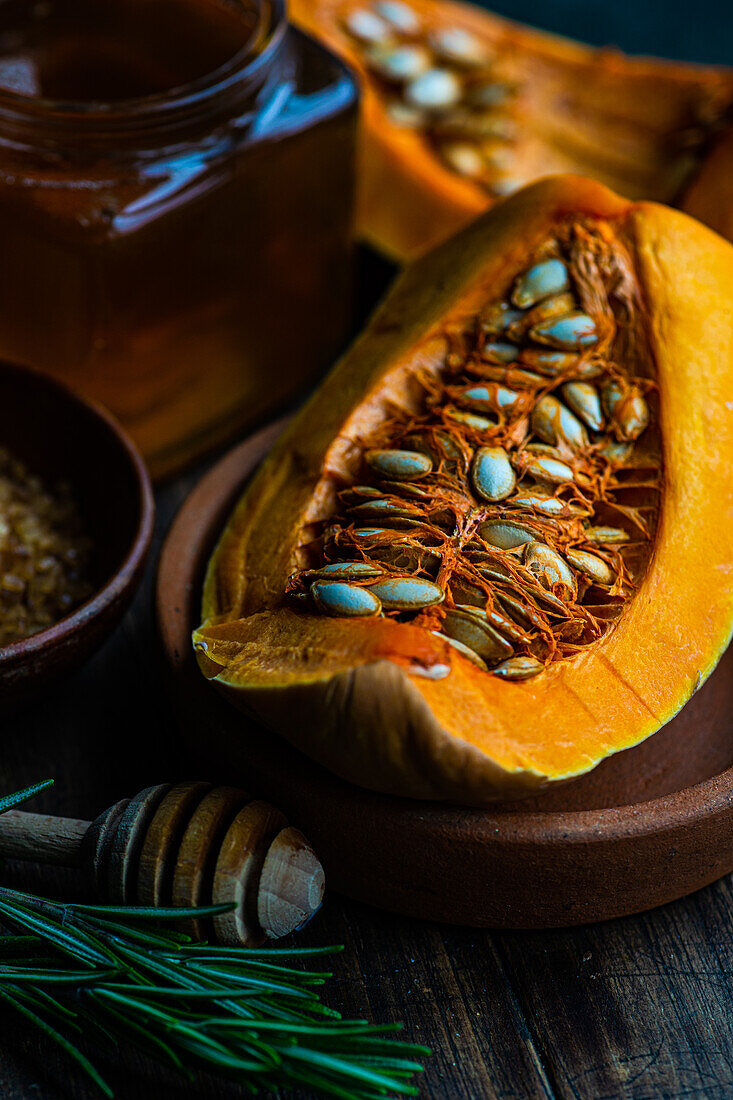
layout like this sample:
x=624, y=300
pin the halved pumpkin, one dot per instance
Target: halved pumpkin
x=533, y=105
x=621, y=593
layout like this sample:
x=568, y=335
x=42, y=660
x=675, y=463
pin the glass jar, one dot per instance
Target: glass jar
x=176, y=181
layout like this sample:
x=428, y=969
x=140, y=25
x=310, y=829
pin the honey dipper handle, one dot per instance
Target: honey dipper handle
x=41, y=838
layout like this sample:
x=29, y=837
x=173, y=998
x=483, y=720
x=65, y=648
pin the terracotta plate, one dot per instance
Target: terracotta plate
x=647, y=826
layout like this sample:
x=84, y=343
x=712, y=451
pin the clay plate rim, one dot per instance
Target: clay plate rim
x=190, y=539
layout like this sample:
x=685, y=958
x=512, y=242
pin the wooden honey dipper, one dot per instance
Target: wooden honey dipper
x=191, y=844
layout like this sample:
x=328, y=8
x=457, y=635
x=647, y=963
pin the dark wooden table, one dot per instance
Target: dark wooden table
x=634, y=1008
x=638, y=1008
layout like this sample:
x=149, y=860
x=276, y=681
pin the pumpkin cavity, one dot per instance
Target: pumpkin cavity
x=511, y=509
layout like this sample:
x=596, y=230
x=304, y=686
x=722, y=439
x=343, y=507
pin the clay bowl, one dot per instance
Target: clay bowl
x=645, y=827
x=62, y=437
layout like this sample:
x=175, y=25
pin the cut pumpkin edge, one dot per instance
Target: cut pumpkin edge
x=467, y=775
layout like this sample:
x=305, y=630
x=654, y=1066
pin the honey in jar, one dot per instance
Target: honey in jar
x=176, y=181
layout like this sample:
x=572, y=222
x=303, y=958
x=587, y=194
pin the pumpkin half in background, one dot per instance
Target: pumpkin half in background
x=461, y=107
x=495, y=546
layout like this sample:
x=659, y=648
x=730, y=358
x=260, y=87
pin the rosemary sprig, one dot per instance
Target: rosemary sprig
x=12, y=800
x=125, y=973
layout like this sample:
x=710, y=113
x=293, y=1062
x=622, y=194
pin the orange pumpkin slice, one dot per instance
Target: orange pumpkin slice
x=493, y=548
x=461, y=107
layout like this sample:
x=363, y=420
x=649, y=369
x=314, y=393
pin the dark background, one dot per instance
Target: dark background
x=635, y=1009
x=694, y=31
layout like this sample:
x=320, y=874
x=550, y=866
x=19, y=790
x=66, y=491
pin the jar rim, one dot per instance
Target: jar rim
x=243, y=69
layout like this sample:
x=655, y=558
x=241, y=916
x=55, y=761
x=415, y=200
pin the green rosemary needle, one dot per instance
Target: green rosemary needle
x=125, y=973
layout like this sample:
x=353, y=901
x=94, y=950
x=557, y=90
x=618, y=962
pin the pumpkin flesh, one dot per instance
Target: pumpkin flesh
x=357, y=695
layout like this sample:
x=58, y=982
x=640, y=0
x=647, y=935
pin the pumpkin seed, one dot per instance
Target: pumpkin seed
x=492, y=474
x=505, y=353
x=459, y=47
x=399, y=465
x=358, y=493
x=478, y=126
x=490, y=95
x=405, y=489
x=407, y=593
x=448, y=448
x=518, y=668
x=558, y=305
x=548, y=362
x=596, y=568
x=520, y=611
x=572, y=332
x=463, y=158
x=513, y=375
x=586, y=369
x=477, y=395
x=606, y=536
x=497, y=155
x=506, y=398
x=441, y=447
x=505, y=626
x=344, y=600
x=363, y=534
x=549, y=568
x=479, y=556
x=627, y=408
x=367, y=26
x=492, y=572
x=613, y=391
x=535, y=448
x=549, y=601
x=469, y=628
x=380, y=508
x=406, y=556
x=399, y=63
x=493, y=395
x=346, y=571
x=402, y=114
x=400, y=16
x=464, y=650
x=434, y=90
x=506, y=186
x=544, y=468
x=421, y=524
x=554, y=423
x=466, y=594
x=540, y=281
x=472, y=609
x=505, y=535
x=469, y=419
x=584, y=401
x=496, y=319
x=546, y=505
x=617, y=453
